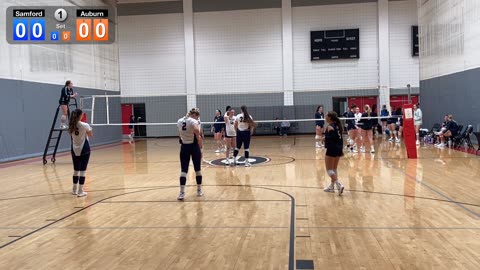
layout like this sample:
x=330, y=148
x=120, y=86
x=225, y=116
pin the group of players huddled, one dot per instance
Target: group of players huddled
x=238, y=130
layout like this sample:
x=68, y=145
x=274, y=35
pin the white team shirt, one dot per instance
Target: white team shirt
x=186, y=127
x=230, y=127
x=358, y=116
x=242, y=125
x=79, y=137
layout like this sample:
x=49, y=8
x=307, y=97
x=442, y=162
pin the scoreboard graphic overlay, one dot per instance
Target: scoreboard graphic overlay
x=335, y=44
x=60, y=25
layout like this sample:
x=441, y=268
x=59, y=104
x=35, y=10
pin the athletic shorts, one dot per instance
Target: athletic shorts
x=351, y=128
x=334, y=151
x=230, y=137
x=320, y=125
x=217, y=128
x=63, y=102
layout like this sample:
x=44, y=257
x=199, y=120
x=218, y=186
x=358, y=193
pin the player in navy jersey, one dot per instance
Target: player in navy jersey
x=367, y=129
x=352, y=129
x=80, y=150
x=319, y=126
x=218, y=128
x=65, y=95
x=191, y=144
x=334, y=145
x=245, y=126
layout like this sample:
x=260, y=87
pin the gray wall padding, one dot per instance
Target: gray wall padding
x=456, y=94
x=27, y=110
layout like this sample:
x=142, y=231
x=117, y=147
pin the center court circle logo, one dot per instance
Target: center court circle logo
x=240, y=161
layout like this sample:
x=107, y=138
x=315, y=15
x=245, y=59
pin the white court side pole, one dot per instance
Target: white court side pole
x=93, y=110
x=108, y=111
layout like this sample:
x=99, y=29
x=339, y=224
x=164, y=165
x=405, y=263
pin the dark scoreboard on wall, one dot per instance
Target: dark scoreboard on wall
x=335, y=44
x=415, y=43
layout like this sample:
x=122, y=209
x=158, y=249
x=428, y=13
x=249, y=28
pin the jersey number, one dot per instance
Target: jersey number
x=184, y=126
x=241, y=119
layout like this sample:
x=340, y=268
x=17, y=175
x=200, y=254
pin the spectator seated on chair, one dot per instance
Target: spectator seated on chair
x=449, y=130
x=440, y=130
x=285, y=126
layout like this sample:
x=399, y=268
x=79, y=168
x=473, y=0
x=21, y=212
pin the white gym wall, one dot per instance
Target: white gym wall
x=337, y=74
x=238, y=51
x=404, y=69
x=87, y=65
x=152, y=54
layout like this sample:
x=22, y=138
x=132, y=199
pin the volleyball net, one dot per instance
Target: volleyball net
x=158, y=115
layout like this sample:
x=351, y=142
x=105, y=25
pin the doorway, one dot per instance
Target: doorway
x=138, y=111
x=340, y=105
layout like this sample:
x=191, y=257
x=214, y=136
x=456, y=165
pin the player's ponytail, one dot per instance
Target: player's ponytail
x=247, y=118
x=367, y=109
x=74, y=118
x=334, y=117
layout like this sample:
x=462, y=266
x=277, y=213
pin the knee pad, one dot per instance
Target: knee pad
x=183, y=174
x=76, y=173
x=236, y=149
x=318, y=137
x=331, y=173
x=83, y=173
x=247, y=150
x=199, y=173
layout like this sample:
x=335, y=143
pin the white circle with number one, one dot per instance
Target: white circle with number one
x=61, y=14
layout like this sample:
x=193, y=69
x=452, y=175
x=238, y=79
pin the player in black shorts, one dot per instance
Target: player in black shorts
x=245, y=126
x=392, y=125
x=191, y=144
x=131, y=126
x=399, y=114
x=80, y=150
x=366, y=128
x=65, y=96
x=334, y=145
x=218, y=128
x=319, y=126
x=352, y=129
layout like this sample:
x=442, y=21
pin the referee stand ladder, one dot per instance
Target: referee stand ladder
x=56, y=134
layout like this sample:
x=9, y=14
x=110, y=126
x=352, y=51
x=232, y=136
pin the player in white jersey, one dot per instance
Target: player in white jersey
x=192, y=143
x=80, y=150
x=245, y=126
x=230, y=136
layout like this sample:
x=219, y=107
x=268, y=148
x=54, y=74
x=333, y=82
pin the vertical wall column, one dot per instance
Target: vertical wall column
x=287, y=54
x=189, y=54
x=383, y=54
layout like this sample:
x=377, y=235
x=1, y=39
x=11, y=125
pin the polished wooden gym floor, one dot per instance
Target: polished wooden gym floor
x=395, y=213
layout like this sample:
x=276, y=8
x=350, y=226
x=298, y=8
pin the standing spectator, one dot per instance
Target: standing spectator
x=417, y=118
x=285, y=126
